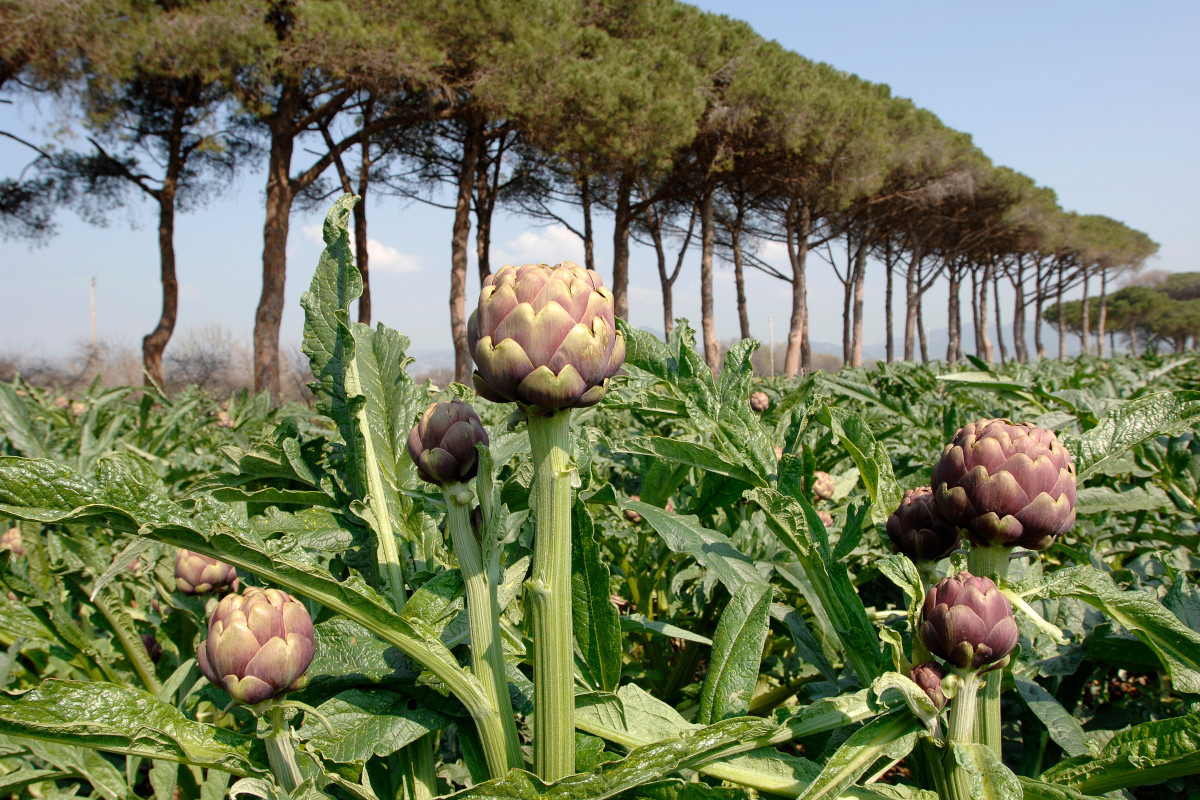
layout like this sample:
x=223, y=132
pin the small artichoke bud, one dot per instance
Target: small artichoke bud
x=632, y=515
x=759, y=401
x=825, y=517
x=544, y=336
x=442, y=443
x=78, y=409
x=1006, y=484
x=778, y=453
x=968, y=622
x=11, y=540
x=822, y=485
x=917, y=533
x=153, y=648
x=200, y=574
x=62, y=401
x=929, y=676
x=259, y=645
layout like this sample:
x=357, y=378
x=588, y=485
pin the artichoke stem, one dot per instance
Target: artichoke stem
x=421, y=780
x=281, y=753
x=549, y=593
x=990, y=562
x=962, y=731
x=483, y=617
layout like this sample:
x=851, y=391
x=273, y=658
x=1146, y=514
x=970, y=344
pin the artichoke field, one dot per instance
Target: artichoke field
x=603, y=571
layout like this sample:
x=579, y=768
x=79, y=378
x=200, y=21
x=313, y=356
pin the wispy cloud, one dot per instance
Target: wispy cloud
x=549, y=245
x=383, y=257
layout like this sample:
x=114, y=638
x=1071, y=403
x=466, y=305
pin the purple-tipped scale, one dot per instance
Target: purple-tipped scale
x=916, y=532
x=442, y=443
x=968, y=622
x=928, y=675
x=544, y=336
x=196, y=573
x=1006, y=484
x=259, y=645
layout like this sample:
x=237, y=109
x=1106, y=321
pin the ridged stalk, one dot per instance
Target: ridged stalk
x=990, y=562
x=281, y=753
x=962, y=731
x=549, y=594
x=483, y=616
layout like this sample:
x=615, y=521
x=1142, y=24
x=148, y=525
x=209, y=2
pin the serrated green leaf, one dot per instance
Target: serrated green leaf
x=871, y=458
x=1097, y=499
x=713, y=550
x=105, y=716
x=594, y=617
x=1063, y=728
x=1130, y=424
x=639, y=622
x=16, y=424
x=736, y=654
x=366, y=723
x=892, y=736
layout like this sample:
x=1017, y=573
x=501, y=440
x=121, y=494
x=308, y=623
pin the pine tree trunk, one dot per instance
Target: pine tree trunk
x=269, y=314
x=712, y=348
x=155, y=342
x=975, y=311
x=739, y=278
x=1102, y=320
x=887, y=305
x=799, y=220
x=911, y=302
x=664, y=281
x=985, y=336
x=1085, y=332
x=621, y=222
x=953, y=317
x=999, y=318
x=585, y=198
x=1062, y=319
x=1020, y=345
x=847, y=299
x=461, y=233
x=856, y=338
x=921, y=328
x=360, y=219
x=1039, y=302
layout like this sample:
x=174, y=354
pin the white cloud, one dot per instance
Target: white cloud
x=384, y=257
x=548, y=245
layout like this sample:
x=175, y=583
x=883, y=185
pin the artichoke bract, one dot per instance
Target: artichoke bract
x=1006, y=484
x=759, y=401
x=917, y=533
x=442, y=443
x=929, y=675
x=201, y=574
x=968, y=622
x=544, y=336
x=259, y=645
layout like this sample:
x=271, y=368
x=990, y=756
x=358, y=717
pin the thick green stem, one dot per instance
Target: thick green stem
x=990, y=562
x=549, y=595
x=962, y=731
x=281, y=753
x=483, y=615
x=421, y=780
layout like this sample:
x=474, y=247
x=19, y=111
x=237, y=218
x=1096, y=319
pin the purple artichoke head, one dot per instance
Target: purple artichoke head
x=968, y=622
x=759, y=401
x=916, y=532
x=259, y=645
x=822, y=485
x=928, y=675
x=1006, y=484
x=544, y=336
x=442, y=443
x=201, y=574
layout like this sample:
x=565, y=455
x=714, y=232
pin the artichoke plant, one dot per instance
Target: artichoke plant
x=1006, y=484
x=917, y=533
x=929, y=676
x=968, y=622
x=759, y=401
x=544, y=336
x=259, y=645
x=200, y=574
x=11, y=540
x=442, y=443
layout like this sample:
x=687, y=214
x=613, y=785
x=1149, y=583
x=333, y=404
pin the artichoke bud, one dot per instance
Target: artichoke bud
x=442, y=443
x=929, y=676
x=201, y=574
x=825, y=517
x=1006, y=484
x=153, y=648
x=11, y=540
x=632, y=515
x=968, y=622
x=544, y=336
x=917, y=533
x=822, y=485
x=259, y=645
x=759, y=401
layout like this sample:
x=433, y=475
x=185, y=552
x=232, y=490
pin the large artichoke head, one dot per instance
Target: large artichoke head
x=968, y=622
x=196, y=573
x=259, y=645
x=544, y=336
x=1006, y=484
x=917, y=533
x=442, y=443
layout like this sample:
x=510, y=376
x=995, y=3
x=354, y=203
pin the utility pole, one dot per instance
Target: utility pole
x=92, y=300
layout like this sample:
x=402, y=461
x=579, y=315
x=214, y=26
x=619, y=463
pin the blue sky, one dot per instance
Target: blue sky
x=1096, y=100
